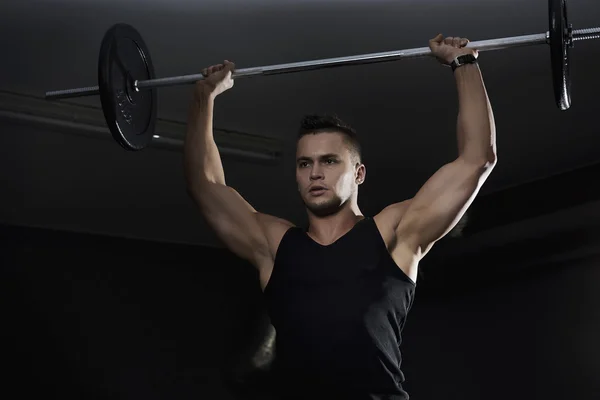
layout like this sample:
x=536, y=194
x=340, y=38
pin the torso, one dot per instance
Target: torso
x=339, y=307
x=386, y=222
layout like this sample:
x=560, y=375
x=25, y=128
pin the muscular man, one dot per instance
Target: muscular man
x=338, y=293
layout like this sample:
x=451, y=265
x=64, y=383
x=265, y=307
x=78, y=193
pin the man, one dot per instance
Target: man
x=338, y=293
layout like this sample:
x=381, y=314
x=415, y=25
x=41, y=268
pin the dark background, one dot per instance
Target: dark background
x=113, y=287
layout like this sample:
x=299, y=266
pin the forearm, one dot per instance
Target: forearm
x=202, y=161
x=476, y=131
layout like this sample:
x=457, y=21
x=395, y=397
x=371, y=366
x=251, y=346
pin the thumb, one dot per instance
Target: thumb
x=229, y=66
x=437, y=40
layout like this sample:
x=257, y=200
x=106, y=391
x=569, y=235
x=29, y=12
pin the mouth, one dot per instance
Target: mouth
x=317, y=190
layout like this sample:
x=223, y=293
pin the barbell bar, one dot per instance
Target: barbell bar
x=127, y=81
x=371, y=58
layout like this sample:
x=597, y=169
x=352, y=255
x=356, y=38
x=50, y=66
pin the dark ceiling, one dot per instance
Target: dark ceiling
x=405, y=111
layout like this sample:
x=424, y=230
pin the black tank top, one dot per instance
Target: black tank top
x=338, y=312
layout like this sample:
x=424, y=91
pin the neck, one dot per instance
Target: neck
x=328, y=229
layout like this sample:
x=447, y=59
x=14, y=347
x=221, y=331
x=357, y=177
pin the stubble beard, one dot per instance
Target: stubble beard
x=324, y=208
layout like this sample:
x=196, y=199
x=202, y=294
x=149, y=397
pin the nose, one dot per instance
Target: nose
x=315, y=174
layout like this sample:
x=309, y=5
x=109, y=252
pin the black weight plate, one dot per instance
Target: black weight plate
x=560, y=53
x=130, y=114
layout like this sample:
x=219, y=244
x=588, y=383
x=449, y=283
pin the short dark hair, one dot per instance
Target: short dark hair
x=314, y=123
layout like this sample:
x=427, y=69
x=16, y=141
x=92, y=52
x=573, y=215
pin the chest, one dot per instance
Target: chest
x=335, y=286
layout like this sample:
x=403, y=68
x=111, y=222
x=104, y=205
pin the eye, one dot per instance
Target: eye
x=303, y=164
x=330, y=161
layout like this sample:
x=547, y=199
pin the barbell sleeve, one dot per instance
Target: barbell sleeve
x=69, y=93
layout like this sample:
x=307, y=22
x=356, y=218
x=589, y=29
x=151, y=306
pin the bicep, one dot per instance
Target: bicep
x=441, y=202
x=233, y=219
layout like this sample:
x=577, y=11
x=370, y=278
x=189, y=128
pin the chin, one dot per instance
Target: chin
x=324, y=207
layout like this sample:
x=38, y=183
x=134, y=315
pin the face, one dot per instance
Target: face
x=327, y=172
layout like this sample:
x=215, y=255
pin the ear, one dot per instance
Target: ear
x=361, y=173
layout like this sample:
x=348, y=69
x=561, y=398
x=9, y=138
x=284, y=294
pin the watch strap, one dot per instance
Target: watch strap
x=463, y=60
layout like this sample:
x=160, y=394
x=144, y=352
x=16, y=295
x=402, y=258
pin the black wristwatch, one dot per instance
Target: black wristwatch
x=463, y=60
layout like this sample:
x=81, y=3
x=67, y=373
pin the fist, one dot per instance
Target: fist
x=217, y=79
x=447, y=49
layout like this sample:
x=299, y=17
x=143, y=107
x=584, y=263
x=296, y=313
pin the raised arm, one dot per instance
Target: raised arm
x=246, y=232
x=442, y=201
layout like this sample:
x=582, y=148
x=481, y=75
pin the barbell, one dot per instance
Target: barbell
x=127, y=82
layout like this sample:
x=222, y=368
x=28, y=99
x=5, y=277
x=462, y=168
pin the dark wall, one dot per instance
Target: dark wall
x=528, y=335
x=98, y=317
x=101, y=318
x=66, y=181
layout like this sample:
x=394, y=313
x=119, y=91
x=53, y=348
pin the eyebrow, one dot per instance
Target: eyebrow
x=322, y=157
